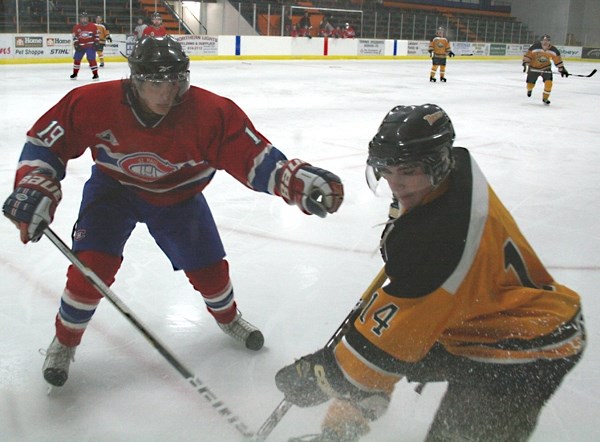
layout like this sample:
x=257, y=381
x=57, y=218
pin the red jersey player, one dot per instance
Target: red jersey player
x=156, y=29
x=158, y=145
x=85, y=40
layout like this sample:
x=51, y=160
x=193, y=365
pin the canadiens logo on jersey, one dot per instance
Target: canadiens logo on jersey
x=146, y=166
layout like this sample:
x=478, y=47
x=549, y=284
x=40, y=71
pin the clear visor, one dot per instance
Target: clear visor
x=163, y=78
x=182, y=79
x=378, y=186
x=377, y=168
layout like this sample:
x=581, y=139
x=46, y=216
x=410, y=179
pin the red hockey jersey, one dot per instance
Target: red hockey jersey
x=164, y=164
x=85, y=36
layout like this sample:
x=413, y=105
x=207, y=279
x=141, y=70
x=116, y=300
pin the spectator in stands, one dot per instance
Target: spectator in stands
x=439, y=49
x=348, y=31
x=156, y=29
x=326, y=29
x=305, y=26
x=103, y=37
x=287, y=25
x=139, y=29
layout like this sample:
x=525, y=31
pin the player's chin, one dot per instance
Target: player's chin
x=409, y=200
x=161, y=109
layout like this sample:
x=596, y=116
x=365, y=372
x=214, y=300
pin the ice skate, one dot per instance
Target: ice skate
x=529, y=93
x=241, y=330
x=95, y=76
x=432, y=79
x=443, y=79
x=546, y=101
x=56, y=365
x=73, y=76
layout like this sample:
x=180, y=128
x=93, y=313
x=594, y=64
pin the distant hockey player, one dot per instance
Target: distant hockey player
x=539, y=58
x=85, y=39
x=158, y=144
x=156, y=28
x=468, y=302
x=103, y=37
x=439, y=49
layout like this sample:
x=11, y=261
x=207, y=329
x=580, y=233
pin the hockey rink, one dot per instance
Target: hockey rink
x=295, y=276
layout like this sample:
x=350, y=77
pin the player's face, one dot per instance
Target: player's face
x=158, y=97
x=408, y=184
x=546, y=44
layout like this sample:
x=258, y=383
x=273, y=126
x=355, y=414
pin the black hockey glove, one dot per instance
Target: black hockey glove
x=564, y=73
x=77, y=46
x=109, y=39
x=430, y=54
x=32, y=204
x=315, y=191
x=524, y=67
x=450, y=54
x=316, y=378
x=300, y=382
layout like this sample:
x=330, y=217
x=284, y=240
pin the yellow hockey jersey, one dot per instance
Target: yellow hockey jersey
x=541, y=59
x=440, y=46
x=461, y=275
x=102, y=33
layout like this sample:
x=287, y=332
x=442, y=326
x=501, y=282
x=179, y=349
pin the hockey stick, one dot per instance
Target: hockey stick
x=570, y=75
x=106, y=292
x=284, y=406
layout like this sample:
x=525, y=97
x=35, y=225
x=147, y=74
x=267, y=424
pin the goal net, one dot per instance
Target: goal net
x=336, y=17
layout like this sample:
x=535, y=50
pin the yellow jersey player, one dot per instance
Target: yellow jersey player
x=103, y=37
x=468, y=302
x=539, y=58
x=439, y=50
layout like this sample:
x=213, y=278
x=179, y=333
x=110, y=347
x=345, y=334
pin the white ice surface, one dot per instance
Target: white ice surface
x=295, y=276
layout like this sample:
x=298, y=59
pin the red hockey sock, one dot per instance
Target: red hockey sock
x=214, y=285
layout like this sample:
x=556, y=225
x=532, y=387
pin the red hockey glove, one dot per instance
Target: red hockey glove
x=316, y=191
x=32, y=204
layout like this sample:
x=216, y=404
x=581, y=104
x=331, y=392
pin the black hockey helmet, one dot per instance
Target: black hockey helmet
x=414, y=135
x=159, y=59
x=84, y=15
